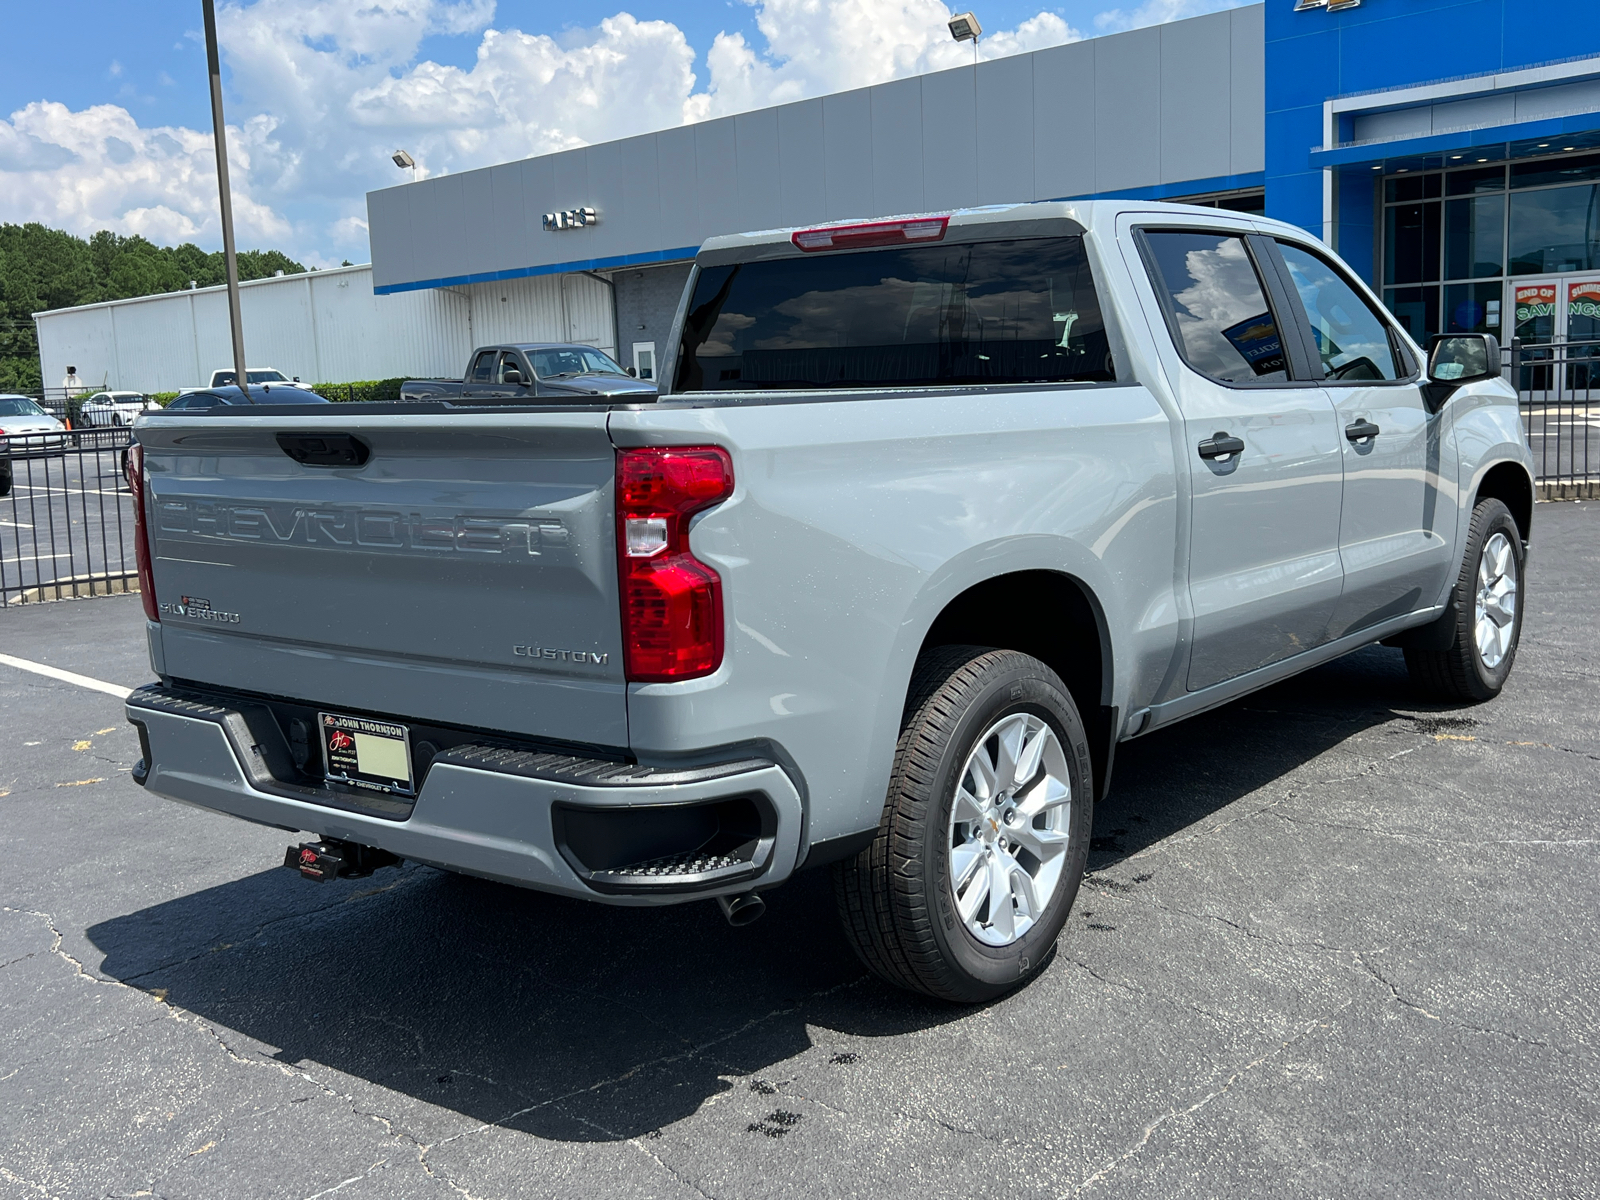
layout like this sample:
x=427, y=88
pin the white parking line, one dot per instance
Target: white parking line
x=66, y=491
x=99, y=685
x=17, y=524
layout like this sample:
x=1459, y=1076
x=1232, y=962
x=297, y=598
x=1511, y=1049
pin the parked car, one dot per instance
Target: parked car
x=531, y=372
x=230, y=395
x=933, y=514
x=115, y=408
x=228, y=377
x=220, y=399
x=27, y=430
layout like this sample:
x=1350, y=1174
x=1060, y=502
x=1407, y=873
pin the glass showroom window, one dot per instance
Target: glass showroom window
x=1451, y=238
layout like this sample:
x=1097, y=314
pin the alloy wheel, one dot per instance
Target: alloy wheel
x=1009, y=827
x=1495, y=611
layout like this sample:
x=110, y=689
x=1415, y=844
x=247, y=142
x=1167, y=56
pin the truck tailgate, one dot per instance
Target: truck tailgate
x=465, y=574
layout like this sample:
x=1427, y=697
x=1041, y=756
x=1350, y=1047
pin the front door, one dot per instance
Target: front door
x=1396, y=540
x=1263, y=456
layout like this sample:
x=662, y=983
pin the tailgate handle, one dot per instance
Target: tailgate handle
x=324, y=449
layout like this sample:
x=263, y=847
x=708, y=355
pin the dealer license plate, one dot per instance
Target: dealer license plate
x=367, y=754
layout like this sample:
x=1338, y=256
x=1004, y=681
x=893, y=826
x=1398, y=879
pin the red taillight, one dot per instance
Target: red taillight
x=671, y=601
x=141, y=532
x=873, y=233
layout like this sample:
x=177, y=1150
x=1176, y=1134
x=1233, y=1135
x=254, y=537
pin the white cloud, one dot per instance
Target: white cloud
x=321, y=94
x=98, y=168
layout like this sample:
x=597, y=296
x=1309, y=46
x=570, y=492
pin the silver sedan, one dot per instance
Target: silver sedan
x=26, y=429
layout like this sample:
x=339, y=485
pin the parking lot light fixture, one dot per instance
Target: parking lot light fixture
x=964, y=27
x=406, y=163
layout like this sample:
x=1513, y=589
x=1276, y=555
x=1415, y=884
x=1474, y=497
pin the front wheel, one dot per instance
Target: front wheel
x=984, y=834
x=1487, y=603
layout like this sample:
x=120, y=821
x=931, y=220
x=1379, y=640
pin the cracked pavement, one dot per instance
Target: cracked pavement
x=1336, y=941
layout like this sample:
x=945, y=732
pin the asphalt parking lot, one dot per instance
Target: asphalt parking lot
x=1336, y=942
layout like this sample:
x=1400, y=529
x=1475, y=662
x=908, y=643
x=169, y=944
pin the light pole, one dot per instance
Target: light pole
x=964, y=27
x=230, y=257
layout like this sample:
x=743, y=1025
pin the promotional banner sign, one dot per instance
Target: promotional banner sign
x=1535, y=300
x=1583, y=299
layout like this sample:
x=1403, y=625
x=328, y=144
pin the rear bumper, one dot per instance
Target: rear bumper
x=494, y=812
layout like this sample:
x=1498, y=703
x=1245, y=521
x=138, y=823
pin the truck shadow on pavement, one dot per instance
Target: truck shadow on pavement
x=580, y=1022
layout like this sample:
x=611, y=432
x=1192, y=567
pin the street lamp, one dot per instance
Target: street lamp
x=964, y=27
x=405, y=162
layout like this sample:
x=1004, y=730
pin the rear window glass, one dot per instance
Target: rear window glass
x=982, y=312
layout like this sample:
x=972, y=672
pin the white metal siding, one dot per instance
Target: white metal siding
x=325, y=326
x=543, y=308
x=86, y=343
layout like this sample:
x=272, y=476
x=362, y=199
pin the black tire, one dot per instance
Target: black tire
x=895, y=897
x=1459, y=674
x=5, y=482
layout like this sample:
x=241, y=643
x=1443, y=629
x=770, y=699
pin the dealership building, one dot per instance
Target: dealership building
x=1434, y=143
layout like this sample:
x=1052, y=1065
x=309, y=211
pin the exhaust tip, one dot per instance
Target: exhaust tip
x=743, y=909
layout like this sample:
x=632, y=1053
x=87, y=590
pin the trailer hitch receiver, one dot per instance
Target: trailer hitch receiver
x=325, y=860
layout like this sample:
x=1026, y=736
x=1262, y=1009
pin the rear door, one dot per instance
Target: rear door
x=1396, y=541
x=1262, y=447
x=465, y=574
x=480, y=383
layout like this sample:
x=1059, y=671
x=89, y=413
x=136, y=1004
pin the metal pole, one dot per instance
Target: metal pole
x=229, y=255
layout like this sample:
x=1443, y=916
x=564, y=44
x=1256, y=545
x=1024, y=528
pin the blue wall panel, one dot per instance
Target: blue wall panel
x=1315, y=55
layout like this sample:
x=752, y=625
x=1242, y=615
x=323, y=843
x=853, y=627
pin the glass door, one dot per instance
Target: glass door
x=1582, y=335
x=1533, y=308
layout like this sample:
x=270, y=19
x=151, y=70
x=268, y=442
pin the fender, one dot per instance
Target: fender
x=1062, y=557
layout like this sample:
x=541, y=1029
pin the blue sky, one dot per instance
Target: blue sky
x=104, y=115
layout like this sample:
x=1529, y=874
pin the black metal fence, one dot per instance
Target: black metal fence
x=66, y=516
x=1558, y=384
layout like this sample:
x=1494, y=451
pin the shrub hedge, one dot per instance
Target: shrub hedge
x=361, y=390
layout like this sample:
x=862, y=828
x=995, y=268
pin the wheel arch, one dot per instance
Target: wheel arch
x=1509, y=483
x=1055, y=617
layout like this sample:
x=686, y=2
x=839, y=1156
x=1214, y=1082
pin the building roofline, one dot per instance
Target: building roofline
x=678, y=254
x=220, y=287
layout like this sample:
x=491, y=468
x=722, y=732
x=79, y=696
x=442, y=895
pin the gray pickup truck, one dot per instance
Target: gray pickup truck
x=516, y=374
x=932, y=514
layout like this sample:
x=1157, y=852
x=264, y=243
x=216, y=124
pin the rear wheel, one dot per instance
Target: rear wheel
x=984, y=834
x=1488, y=614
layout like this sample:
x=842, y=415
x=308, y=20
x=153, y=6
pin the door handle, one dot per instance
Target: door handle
x=1360, y=431
x=1221, y=445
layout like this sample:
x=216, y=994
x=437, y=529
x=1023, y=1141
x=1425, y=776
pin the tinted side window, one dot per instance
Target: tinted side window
x=977, y=312
x=1217, y=305
x=509, y=362
x=1352, y=339
x=483, y=367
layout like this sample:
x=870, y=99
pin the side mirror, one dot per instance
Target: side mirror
x=633, y=373
x=513, y=376
x=1463, y=357
x=1455, y=359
